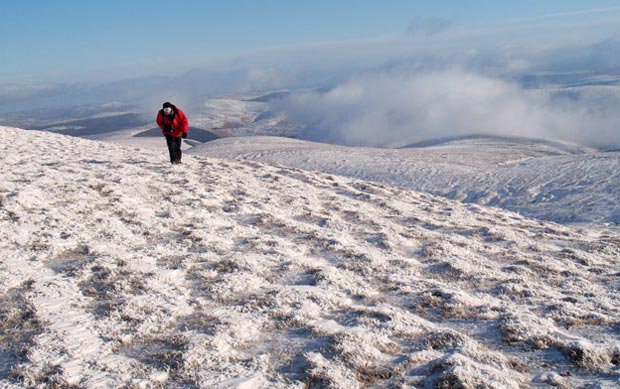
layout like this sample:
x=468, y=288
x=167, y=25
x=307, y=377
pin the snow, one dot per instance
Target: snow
x=241, y=116
x=118, y=269
x=129, y=138
x=547, y=180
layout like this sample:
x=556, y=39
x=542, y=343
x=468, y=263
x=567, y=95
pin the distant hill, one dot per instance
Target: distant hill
x=548, y=180
x=94, y=126
x=560, y=147
x=270, y=96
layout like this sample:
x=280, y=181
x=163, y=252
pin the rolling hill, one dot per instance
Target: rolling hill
x=120, y=270
x=538, y=178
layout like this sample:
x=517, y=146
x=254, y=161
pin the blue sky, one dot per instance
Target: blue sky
x=63, y=41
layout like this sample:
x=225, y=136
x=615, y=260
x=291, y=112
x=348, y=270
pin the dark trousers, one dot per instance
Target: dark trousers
x=174, y=148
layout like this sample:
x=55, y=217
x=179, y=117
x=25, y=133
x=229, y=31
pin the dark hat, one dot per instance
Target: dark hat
x=167, y=104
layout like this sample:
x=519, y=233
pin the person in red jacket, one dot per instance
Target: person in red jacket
x=174, y=126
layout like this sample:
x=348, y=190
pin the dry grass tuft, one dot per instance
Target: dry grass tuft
x=586, y=357
x=514, y=332
x=444, y=341
x=47, y=377
x=164, y=352
x=370, y=374
x=449, y=380
x=106, y=285
x=19, y=325
x=73, y=262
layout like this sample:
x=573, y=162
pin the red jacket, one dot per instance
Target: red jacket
x=177, y=122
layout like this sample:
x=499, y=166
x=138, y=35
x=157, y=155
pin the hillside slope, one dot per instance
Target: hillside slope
x=120, y=270
x=540, y=179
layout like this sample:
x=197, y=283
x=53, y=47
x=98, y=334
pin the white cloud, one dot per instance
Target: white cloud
x=413, y=93
x=582, y=12
x=398, y=109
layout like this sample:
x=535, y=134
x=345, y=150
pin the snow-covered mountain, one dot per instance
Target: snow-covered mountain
x=542, y=179
x=243, y=115
x=82, y=120
x=120, y=270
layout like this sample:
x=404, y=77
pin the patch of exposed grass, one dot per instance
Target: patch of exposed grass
x=19, y=325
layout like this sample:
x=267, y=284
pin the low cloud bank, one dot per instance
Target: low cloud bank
x=387, y=109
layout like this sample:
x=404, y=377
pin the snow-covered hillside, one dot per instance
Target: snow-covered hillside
x=120, y=270
x=245, y=115
x=541, y=179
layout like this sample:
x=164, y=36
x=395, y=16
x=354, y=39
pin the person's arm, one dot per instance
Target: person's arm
x=184, y=122
x=160, y=120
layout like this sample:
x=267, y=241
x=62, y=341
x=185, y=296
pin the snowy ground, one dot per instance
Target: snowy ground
x=120, y=270
x=130, y=138
x=541, y=179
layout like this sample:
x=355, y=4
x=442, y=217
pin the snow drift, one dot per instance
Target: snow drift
x=120, y=270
